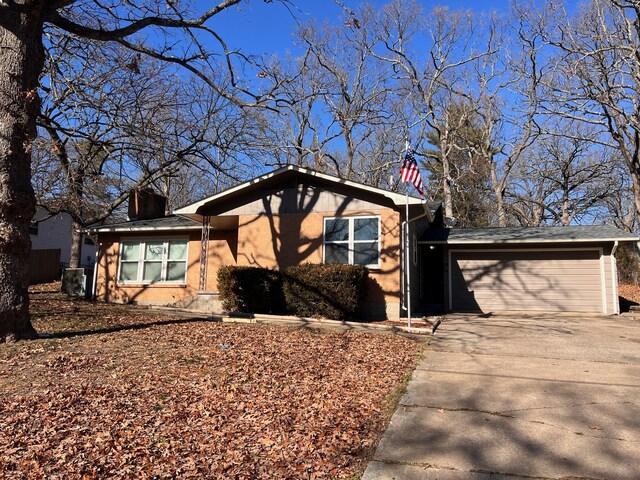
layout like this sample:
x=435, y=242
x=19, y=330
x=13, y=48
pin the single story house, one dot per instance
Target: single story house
x=294, y=215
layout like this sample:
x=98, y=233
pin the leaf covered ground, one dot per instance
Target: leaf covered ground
x=629, y=292
x=122, y=392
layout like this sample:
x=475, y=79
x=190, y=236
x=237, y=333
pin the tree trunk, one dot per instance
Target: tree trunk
x=498, y=190
x=447, y=192
x=566, y=219
x=76, y=245
x=21, y=60
x=635, y=182
x=446, y=188
x=77, y=189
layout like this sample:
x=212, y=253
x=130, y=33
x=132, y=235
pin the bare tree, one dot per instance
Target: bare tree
x=504, y=89
x=563, y=181
x=355, y=92
x=168, y=31
x=334, y=102
x=595, y=73
x=292, y=132
x=435, y=80
x=468, y=171
x=116, y=121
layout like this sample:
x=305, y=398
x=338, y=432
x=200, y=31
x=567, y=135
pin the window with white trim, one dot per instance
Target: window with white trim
x=153, y=261
x=352, y=240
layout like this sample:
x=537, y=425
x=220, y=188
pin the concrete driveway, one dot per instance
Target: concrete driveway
x=520, y=397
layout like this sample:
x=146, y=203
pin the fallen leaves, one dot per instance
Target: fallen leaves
x=629, y=291
x=136, y=394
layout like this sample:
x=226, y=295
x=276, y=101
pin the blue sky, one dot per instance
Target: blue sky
x=265, y=28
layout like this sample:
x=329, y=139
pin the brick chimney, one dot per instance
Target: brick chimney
x=144, y=204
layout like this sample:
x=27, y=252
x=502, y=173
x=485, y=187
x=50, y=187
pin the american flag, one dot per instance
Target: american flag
x=410, y=172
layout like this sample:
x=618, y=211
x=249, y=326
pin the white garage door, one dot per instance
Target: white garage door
x=548, y=281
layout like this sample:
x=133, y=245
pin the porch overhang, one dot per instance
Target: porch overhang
x=217, y=222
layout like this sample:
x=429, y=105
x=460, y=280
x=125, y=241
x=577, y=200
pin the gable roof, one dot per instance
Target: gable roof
x=498, y=235
x=291, y=171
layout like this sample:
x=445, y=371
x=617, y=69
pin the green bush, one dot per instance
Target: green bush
x=332, y=291
x=250, y=290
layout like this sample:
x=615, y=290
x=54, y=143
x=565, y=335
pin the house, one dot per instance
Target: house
x=295, y=215
x=49, y=232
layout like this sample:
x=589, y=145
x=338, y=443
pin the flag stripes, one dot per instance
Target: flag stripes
x=409, y=172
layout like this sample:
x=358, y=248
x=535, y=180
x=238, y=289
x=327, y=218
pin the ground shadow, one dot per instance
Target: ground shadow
x=122, y=328
x=626, y=304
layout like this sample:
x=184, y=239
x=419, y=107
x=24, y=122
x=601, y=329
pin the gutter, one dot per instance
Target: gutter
x=525, y=241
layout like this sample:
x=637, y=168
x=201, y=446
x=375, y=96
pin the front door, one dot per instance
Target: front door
x=432, y=277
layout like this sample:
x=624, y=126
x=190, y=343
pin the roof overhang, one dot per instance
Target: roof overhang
x=496, y=236
x=124, y=228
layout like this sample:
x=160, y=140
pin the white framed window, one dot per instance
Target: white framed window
x=153, y=261
x=352, y=240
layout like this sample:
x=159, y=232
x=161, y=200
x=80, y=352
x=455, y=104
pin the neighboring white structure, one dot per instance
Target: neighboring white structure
x=55, y=232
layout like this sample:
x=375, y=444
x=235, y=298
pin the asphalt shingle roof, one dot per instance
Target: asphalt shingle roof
x=584, y=233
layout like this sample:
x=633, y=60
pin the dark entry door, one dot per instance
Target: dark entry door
x=432, y=276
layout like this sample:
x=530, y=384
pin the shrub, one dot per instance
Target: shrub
x=332, y=291
x=250, y=289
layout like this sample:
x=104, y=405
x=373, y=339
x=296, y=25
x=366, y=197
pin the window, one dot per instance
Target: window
x=153, y=261
x=352, y=240
x=33, y=228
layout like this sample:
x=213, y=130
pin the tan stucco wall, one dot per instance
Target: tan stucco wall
x=223, y=247
x=282, y=240
x=265, y=241
x=107, y=288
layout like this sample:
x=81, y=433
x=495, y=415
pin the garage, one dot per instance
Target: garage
x=527, y=280
x=525, y=269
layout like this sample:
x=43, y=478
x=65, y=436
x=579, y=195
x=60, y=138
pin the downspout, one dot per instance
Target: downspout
x=614, y=279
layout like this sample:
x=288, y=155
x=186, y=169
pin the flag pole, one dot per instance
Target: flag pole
x=406, y=250
x=406, y=257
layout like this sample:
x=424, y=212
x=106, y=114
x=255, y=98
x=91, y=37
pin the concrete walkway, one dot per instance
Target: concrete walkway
x=513, y=397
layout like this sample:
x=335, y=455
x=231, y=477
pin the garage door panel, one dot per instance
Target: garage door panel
x=535, y=265
x=510, y=255
x=526, y=281
x=520, y=299
x=514, y=281
x=561, y=293
x=528, y=275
